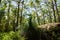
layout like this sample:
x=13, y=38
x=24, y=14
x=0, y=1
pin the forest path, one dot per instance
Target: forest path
x=48, y=25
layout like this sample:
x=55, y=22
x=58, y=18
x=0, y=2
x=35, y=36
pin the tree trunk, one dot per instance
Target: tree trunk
x=53, y=11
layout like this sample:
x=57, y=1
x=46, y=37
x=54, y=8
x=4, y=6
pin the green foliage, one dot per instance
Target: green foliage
x=7, y=36
x=11, y=36
x=18, y=18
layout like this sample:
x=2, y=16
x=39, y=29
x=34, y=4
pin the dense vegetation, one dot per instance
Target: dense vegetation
x=23, y=19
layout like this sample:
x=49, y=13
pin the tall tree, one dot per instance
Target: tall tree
x=53, y=7
x=8, y=12
x=57, y=12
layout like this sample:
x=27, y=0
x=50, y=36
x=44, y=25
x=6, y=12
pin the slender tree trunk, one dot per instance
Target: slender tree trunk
x=21, y=18
x=17, y=16
x=53, y=11
x=57, y=10
x=8, y=13
x=7, y=23
x=21, y=15
x=14, y=23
